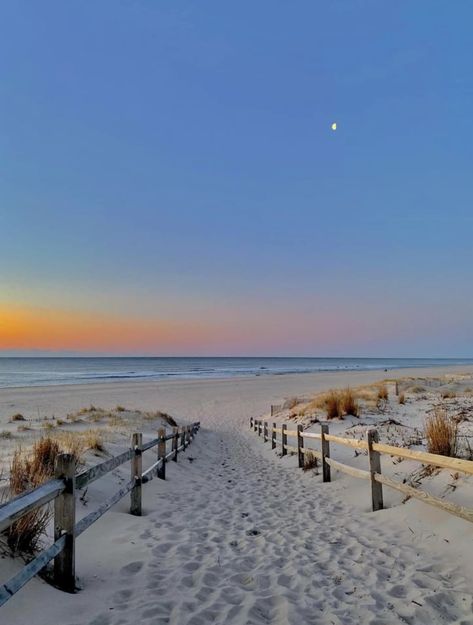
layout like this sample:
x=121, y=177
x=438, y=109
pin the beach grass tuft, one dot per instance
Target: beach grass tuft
x=350, y=404
x=383, y=393
x=310, y=461
x=441, y=433
x=27, y=471
x=93, y=440
x=333, y=405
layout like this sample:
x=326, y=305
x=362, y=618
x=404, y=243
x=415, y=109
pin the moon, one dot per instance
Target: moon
x=334, y=126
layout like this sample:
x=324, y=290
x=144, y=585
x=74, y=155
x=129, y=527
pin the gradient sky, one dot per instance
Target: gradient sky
x=170, y=183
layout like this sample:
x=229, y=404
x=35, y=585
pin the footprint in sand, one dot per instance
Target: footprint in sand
x=132, y=568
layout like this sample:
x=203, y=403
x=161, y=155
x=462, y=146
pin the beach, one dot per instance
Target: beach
x=236, y=338
x=238, y=535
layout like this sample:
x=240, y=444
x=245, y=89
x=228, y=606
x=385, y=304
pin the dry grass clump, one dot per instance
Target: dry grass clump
x=28, y=471
x=310, y=407
x=333, y=405
x=417, y=388
x=93, y=440
x=152, y=416
x=48, y=425
x=441, y=433
x=382, y=396
x=383, y=393
x=6, y=434
x=115, y=420
x=77, y=443
x=71, y=443
x=310, y=461
x=97, y=416
x=402, y=398
x=350, y=404
x=91, y=408
x=17, y=417
x=23, y=428
x=120, y=409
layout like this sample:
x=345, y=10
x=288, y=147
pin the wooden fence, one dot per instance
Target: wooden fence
x=62, y=490
x=375, y=449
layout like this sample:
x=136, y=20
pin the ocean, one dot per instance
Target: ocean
x=20, y=372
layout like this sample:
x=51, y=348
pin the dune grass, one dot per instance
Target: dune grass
x=383, y=392
x=310, y=461
x=350, y=404
x=27, y=471
x=441, y=433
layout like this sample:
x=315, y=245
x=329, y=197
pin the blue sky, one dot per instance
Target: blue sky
x=174, y=162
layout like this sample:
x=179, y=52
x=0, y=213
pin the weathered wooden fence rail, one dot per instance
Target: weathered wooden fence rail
x=375, y=449
x=62, y=490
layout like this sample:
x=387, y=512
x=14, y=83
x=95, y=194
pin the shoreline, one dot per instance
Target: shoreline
x=183, y=397
x=424, y=370
x=61, y=377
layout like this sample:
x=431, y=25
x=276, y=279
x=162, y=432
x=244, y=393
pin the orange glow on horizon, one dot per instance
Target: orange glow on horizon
x=31, y=328
x=228, y=330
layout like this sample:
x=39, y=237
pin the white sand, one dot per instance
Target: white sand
x=240, y=536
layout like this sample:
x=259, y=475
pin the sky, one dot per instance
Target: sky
x=170, y=183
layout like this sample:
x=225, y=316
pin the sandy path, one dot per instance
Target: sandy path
x=248, y=539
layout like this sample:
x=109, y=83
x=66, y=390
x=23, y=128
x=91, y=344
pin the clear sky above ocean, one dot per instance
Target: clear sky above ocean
x=170, y=182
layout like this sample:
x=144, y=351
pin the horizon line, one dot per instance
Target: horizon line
x=105, y=355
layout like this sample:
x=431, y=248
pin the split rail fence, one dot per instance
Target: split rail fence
x=375, y=449
x=62, y=490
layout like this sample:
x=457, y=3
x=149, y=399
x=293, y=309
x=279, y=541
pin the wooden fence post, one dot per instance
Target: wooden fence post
x=272, y=410
x=183, y=438
x=251, y=423
x=325, y=453
x=273, y=437
x=162, y=453
x=284, y=439
x=64, y=523
x=259, y=427
x=175, y=442
x=136, y=472
x=255, y=424
x=375, y=467
x=265, y=431
x=300, y=447
x=396, y=388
